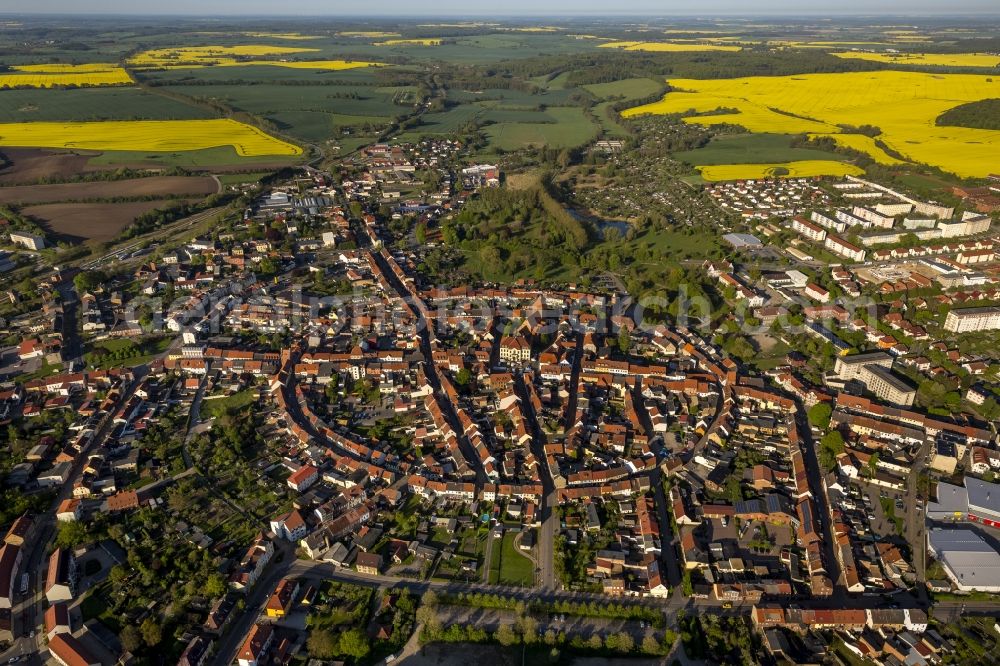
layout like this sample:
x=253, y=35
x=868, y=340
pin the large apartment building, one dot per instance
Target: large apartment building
x=851, y=367
x=874, y=370
x=813, y=232
x=844, y=248
x=973, y=319
x=887, y=386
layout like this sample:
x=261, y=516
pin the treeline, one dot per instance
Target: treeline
x=487, y=79
x=191, y=81
x=525, y=628
x=108, y=176
x=18, y=222
x=605, y=67
x=984, y=114
x=121, y=199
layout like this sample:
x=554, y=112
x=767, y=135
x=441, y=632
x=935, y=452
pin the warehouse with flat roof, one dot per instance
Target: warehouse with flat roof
x=969, y=561
x=977, y=500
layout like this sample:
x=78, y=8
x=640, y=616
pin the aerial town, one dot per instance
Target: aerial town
x=307, y=416
x=415, y=398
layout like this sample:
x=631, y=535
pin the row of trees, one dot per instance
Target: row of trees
x=578, y=608
x=524, y=629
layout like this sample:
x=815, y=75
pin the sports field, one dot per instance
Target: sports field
x=804, y=169
x=54, y=74
x=147, y=135
x=903, y=105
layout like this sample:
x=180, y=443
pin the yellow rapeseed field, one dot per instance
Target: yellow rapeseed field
x=373, y=34
x=699, y=31
x=193, y=57
x=666, y=46
x=863, y=144
x=823, y=45
x=801, y=169
x=904, y=105
x=146, y=135
x=291, y=36
x=332, y=65
x=58, y=74
x=430, y=41
x=929, y=59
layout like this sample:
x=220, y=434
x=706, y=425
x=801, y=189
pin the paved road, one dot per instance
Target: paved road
x=950, y=611
x=194, y=416
x=915, y=525
x=668, y=540
x=814, y=472
x=230, y=643
x=72, y=348
x=548, y=514
x=427, y=347
x=488, y=555
x=28, y=616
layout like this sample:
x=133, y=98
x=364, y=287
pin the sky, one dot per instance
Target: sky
x=401, y=8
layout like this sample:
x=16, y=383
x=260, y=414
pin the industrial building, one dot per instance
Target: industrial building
x=969, y=561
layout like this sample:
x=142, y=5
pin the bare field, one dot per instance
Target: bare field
x=161, y=186
x=27, y=165
x=75, y=222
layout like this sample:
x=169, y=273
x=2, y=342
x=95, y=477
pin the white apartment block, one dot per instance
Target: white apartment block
x=970, y=224
x=840, y=246
x=887, y=386
x=828, y=222
x=30, y=241
x=851, y=220
x=877, y=219
x=813, y=232
x=973, y=319
x=893, y=209
x=851, y=367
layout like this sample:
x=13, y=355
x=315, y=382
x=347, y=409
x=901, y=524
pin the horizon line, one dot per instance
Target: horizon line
x=495, y=16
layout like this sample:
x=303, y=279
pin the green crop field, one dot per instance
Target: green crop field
x=753, y=149
x=309, y=113
x=447, y=122
x=92, y=104
x=568, y=128
x=505, y=115
x=195, y=159
x=510, y=98
x=261, y=73
x=625, y=89
x=476, y=49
